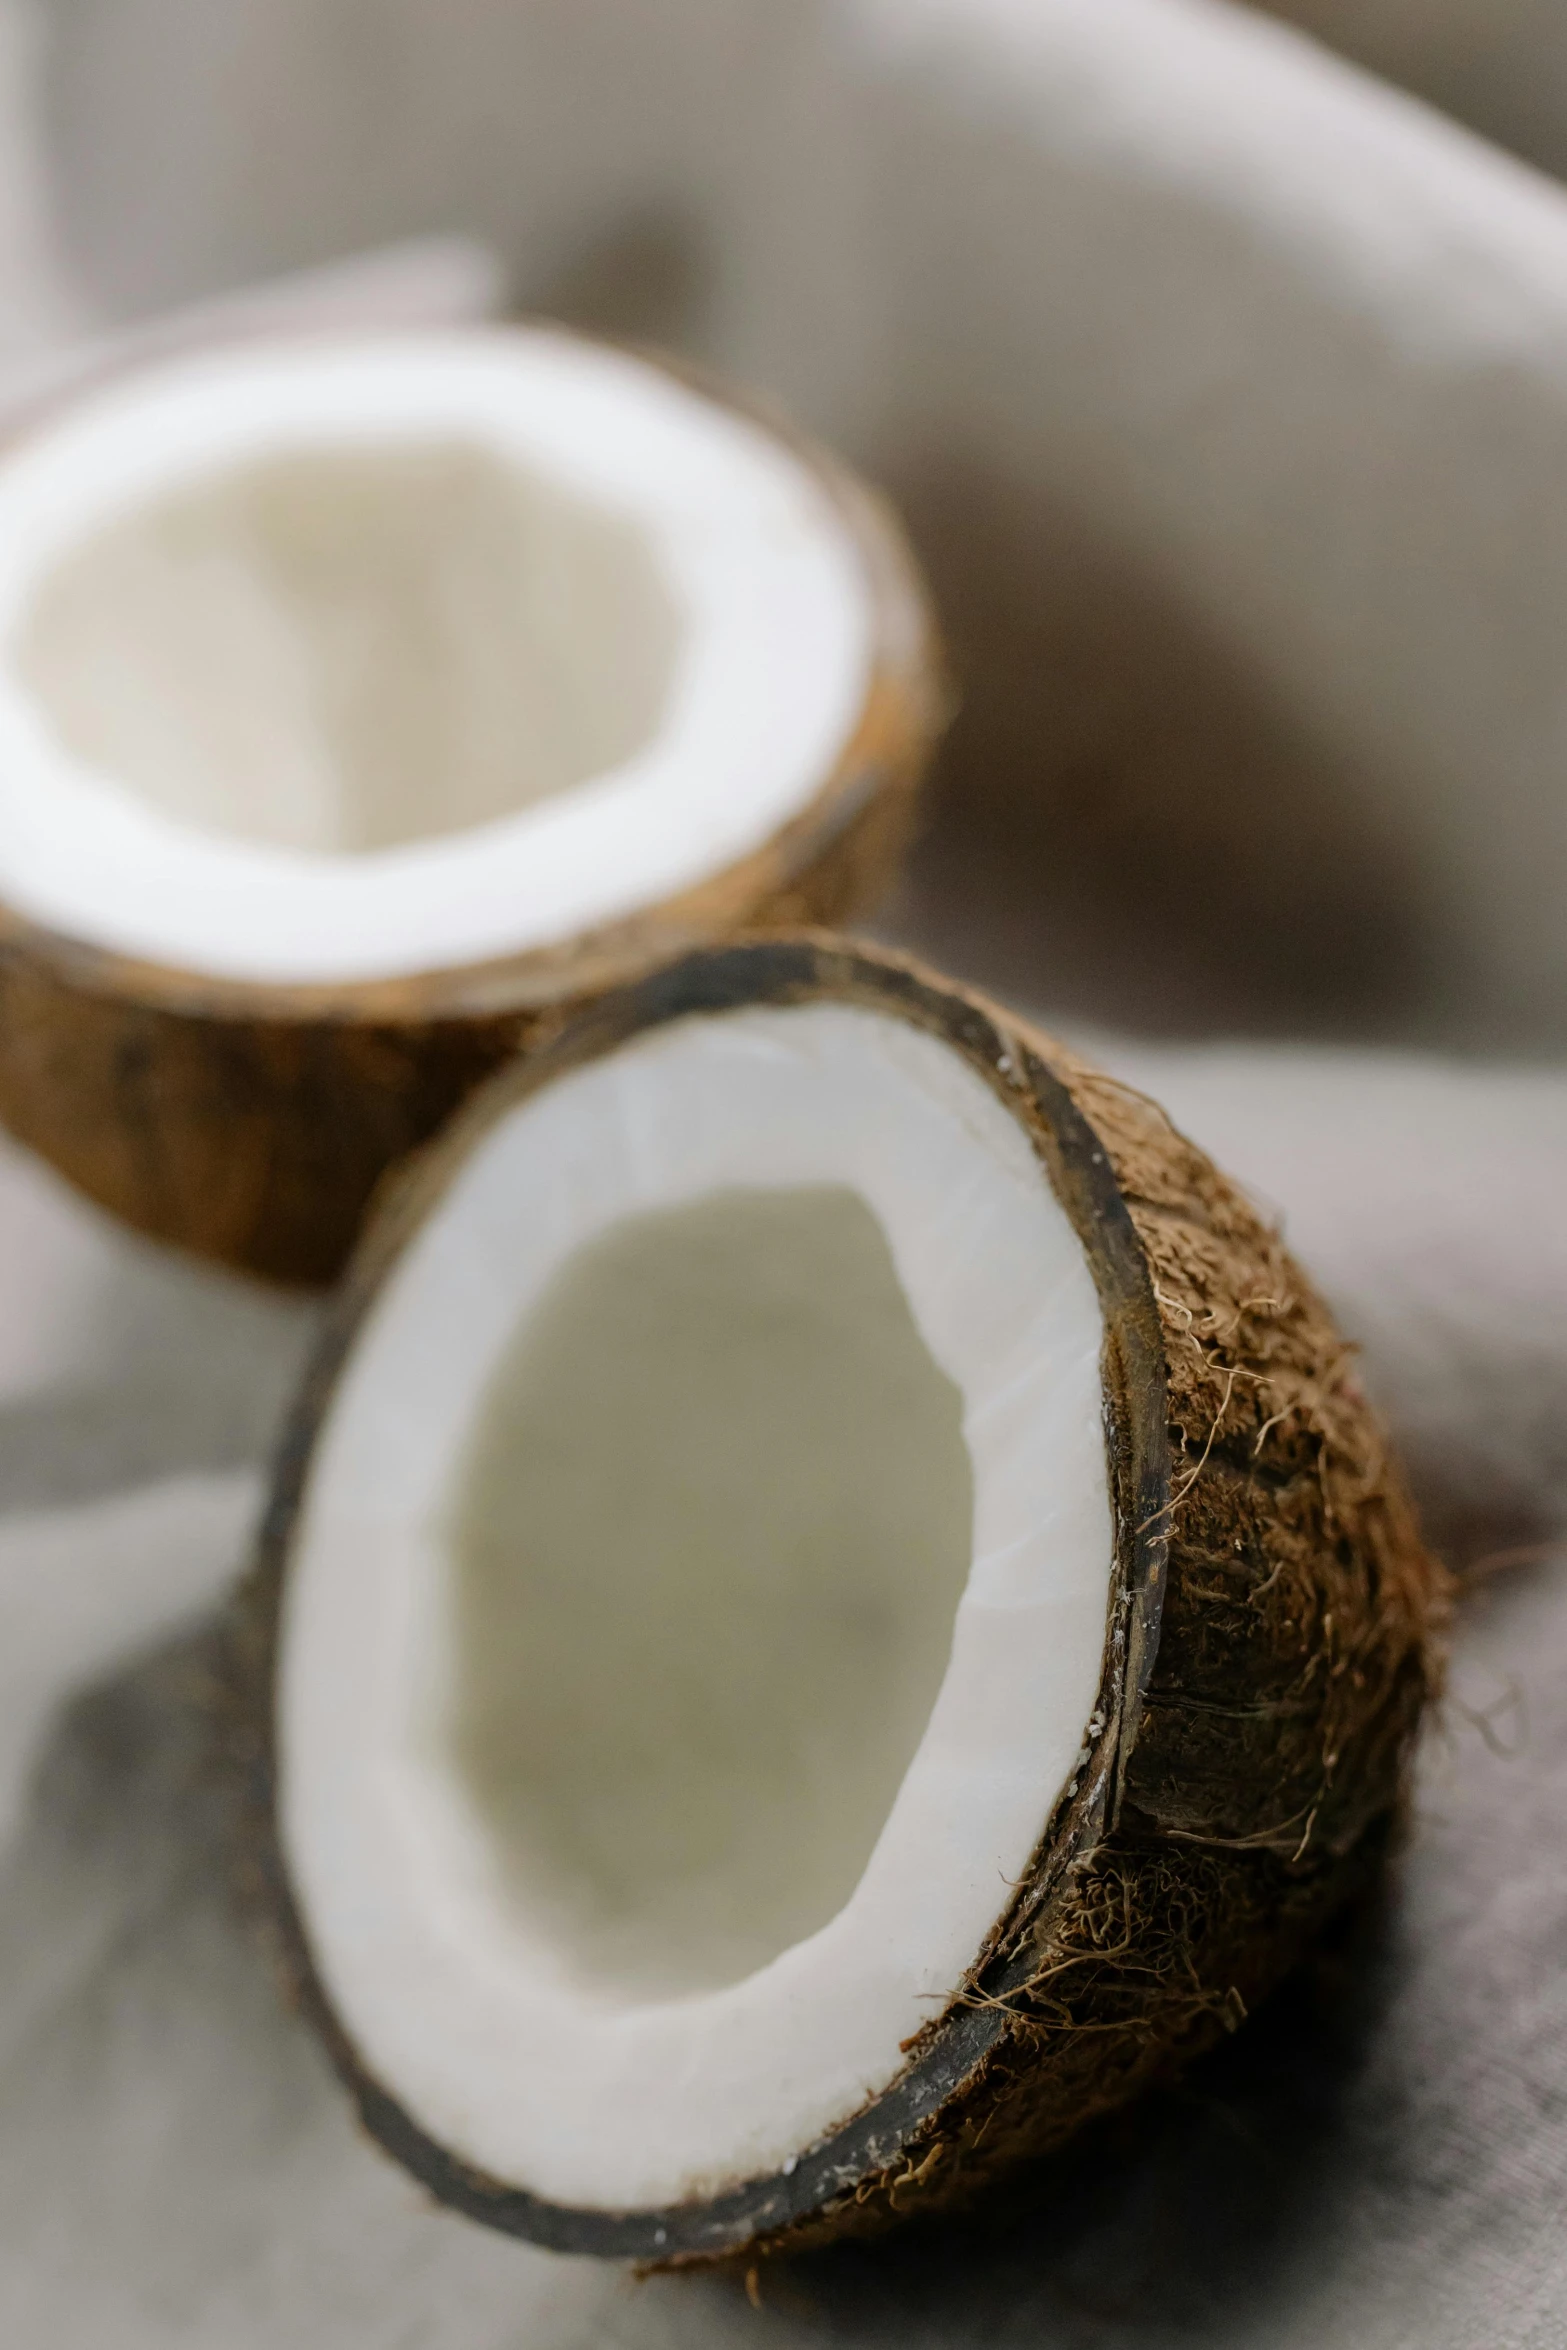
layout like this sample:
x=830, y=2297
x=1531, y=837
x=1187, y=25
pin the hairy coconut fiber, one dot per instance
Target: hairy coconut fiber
x=250, y=1122
x=1270, y=1643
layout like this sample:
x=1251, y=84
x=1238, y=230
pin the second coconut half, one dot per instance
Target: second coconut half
x=363, y=703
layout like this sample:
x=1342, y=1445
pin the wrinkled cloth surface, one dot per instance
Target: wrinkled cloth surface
x=1378, y=2159
x=1226, y=389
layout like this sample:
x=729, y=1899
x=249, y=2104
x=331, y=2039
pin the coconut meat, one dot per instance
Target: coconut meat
x=697, y=1603
x=342, y=661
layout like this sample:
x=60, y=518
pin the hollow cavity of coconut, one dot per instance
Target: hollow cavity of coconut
x=364, y=702
x=833, y=1608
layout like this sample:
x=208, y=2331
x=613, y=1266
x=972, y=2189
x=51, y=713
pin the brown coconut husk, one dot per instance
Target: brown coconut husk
x=250, y=1123
x=1273, y=1635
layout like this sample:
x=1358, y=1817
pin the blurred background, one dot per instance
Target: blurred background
x=1218, y=360
x=1224, y=393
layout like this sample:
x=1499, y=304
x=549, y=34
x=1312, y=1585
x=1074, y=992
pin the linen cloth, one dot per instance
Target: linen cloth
x=1227, y=390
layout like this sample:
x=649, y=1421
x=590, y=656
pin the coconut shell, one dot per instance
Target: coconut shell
x=251, y=1123
x=1273, y=1634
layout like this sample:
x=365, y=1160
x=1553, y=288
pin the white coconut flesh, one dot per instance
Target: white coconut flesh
x=698, y=1602
x=344, y=661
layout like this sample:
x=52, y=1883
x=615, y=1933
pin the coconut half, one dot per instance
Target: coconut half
x=833, y=1606
x=363, y=700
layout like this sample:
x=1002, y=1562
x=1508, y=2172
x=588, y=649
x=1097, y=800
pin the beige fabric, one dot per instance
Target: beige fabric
x=1498, y=65
x=1228, y=392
